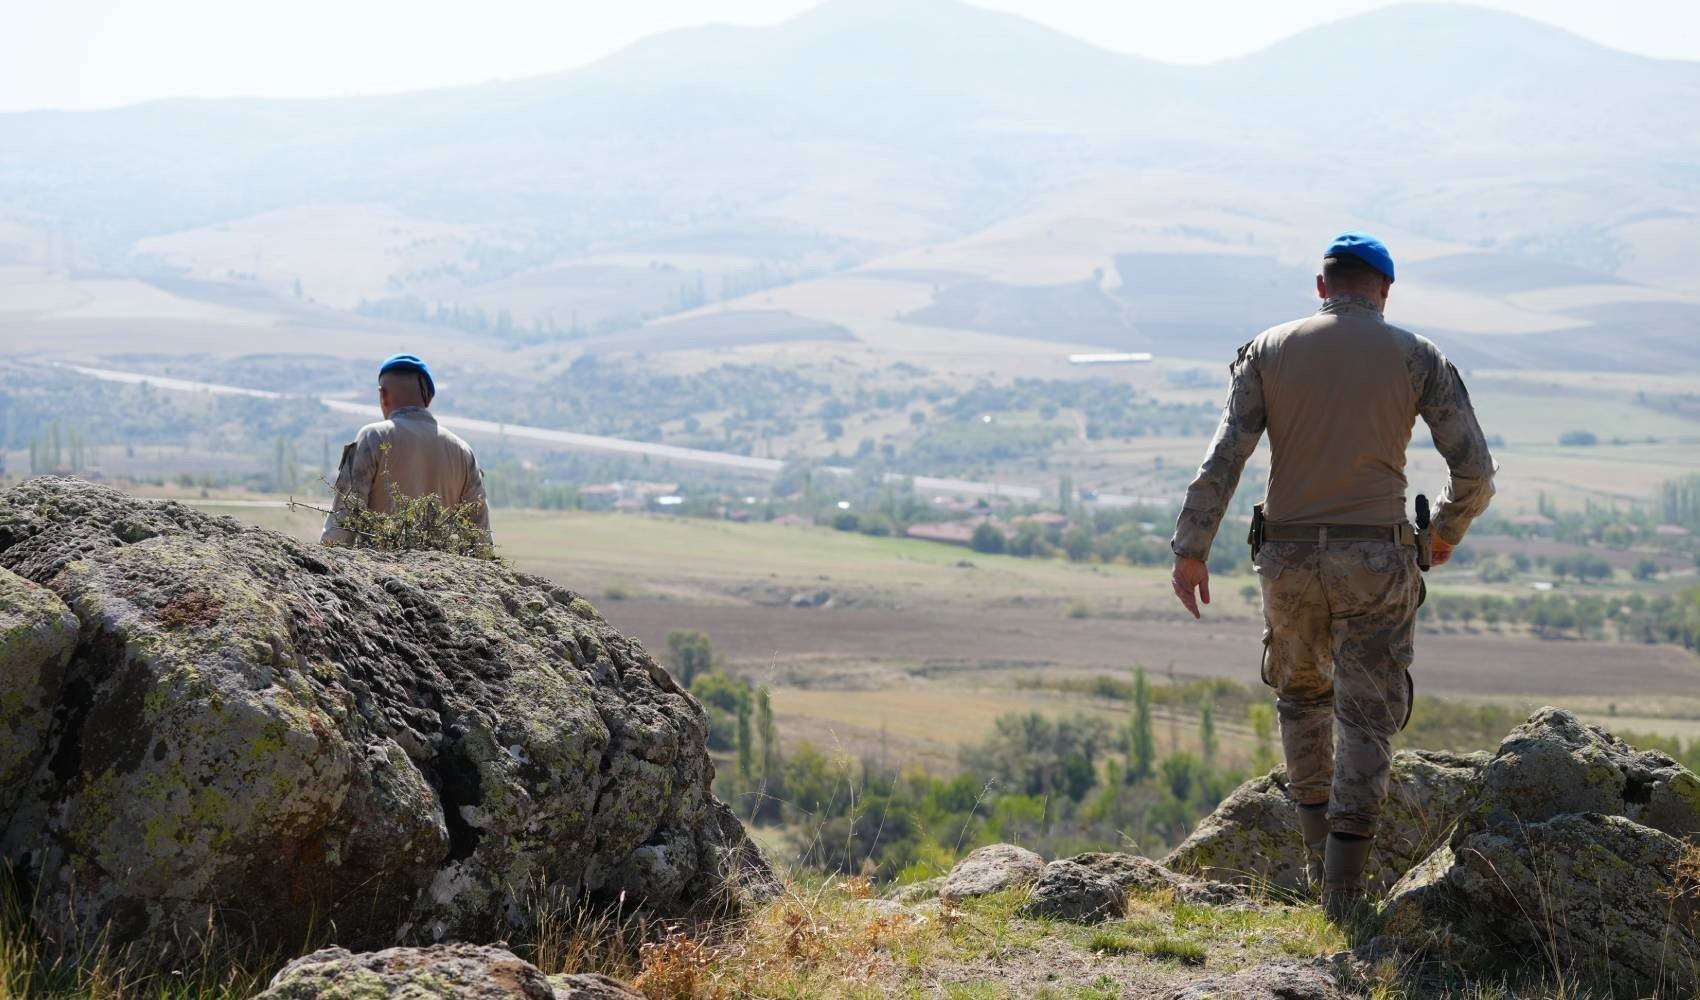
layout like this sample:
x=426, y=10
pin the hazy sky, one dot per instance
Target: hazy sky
x=101, y=53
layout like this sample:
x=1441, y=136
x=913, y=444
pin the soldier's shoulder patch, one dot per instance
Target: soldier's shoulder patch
x=1458, y=380
x=347, y=455
x=1242, y=357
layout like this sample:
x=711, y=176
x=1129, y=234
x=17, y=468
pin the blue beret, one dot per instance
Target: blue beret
x=409, y=363
x=1364, y=247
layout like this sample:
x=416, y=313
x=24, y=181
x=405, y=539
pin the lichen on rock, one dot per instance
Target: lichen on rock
x=448, y=972
x=37, y=635
x=1554, y=764
x=412, y=747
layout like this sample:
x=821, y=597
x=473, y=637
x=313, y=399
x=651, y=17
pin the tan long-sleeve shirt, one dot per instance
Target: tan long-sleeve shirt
x=411, y=455
x=1339, y=393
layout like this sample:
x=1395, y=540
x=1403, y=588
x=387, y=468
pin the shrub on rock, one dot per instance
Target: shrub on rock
x=407, y=747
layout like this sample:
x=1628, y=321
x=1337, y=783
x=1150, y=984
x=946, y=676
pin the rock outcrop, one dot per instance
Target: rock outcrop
x=410, y=747
x=1252, y=838
x=1598, y=897
x=1555, y=764
x=990, y=869
x=1568, y=858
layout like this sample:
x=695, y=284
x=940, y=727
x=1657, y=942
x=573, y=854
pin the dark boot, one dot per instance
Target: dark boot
x=1343, y=876
x=1313, y=827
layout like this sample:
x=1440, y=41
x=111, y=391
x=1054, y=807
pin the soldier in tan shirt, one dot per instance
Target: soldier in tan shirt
x=407, y=455
x=1339, y=393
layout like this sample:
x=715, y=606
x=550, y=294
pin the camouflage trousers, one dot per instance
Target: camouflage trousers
x=1338, y=625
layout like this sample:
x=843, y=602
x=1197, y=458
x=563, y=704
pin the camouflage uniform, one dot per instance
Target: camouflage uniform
x=408, y=455
x=1339, y=393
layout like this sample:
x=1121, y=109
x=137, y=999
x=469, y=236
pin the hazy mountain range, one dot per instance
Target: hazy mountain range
x=1541, y=185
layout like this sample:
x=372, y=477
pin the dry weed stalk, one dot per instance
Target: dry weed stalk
x=678, y=967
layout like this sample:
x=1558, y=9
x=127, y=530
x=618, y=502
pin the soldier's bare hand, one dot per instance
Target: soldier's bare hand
x=1442, y=551
x=1191, y=575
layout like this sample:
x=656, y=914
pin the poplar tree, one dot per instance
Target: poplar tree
x=1141, y=745
x=746, y=743
x=1207, y=735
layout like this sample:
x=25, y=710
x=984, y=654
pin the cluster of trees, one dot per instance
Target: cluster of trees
x=1111, y=410
x=1136, y=535
x=1615, y=526
x=57, y=448
x=1057, y=785
x=1673, y=618
x=471, y=319
x=597, y=396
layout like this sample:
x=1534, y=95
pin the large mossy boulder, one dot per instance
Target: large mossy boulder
x=1596, y=898
x=1252, y=838
x=405, y=747
x=1571, y=858
x=37, y=636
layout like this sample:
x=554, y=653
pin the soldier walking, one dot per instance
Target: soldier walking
x=1339, y=393
x=406, y=455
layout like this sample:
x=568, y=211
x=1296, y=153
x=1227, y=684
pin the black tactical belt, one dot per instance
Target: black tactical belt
x=1322, y=534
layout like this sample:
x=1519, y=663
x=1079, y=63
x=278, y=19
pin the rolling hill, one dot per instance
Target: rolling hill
x=1541, y=185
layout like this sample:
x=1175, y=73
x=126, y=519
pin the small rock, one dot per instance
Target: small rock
x=990, y=869
x=1278, y=981
x=1136, y=874
x=915, y=892
x=592, y=986
x=1069, y=890
x=886, y=907
x=458, y=971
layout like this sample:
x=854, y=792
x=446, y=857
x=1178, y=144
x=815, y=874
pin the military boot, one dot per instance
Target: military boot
x=1313, y=827
x=1343, y=876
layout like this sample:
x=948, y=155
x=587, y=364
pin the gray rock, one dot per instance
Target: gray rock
x=452, y=972
x=407, y=746
x=990, y=869
x=1555, y=764
x=1600, y=895
x=592, y=986
x=1070, y=890
x=887, y=908
x=916, y=892
x=1252, y=838
x=1137, y=874
x=1276, y=981
x=37, y=635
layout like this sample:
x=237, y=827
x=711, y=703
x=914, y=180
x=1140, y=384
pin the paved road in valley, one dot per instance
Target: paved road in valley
x=764, y=468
